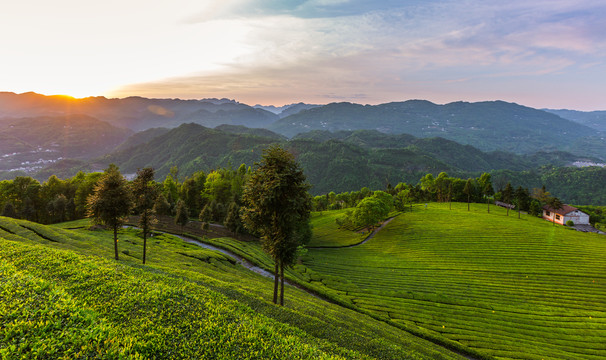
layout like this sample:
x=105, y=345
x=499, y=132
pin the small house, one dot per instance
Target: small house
x=564, y=214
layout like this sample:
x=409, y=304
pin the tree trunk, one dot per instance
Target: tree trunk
x=468, y=199
x=144, y=242
x=282, y=284
x=116, y=241
x=276, y=282
x=488, y=204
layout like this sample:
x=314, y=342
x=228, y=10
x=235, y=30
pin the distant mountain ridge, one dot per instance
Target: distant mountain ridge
x=137, y=113
x=488, y=126
x=593, y=119
x=493, y=125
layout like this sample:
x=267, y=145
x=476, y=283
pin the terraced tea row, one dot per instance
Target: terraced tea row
x=507, y=287
x=168, y=306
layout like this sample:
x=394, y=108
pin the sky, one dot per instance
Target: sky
x=543, y=53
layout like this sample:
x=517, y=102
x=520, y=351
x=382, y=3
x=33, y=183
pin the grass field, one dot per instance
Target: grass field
x=63, y=297
x=506, y=287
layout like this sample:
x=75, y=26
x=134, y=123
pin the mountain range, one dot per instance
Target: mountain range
x=342, y=146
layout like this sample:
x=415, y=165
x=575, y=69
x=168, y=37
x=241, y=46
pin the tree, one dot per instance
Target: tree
x=170, y=188
x=554, y=204
x=467, y=190
x=9, y=210
x=110, y=202
x=206, y=216
x=522, y=198
x=57, y=208
x=162, y=206
x=369, y=212
x=232, y=220
x=449, y=194
x=534, y=208
x=508, y=195
x=541, y=194
x=276, y=205
x=145, y=194
x=486, y=186
x=182, y=215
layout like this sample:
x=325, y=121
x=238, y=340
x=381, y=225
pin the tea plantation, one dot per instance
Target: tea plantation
x=502, y=286
x=64, y=298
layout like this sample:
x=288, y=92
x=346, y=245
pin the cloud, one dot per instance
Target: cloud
x=376, y=51
x=306, y=9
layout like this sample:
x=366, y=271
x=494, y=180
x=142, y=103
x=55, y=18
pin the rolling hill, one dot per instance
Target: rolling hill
x=341, y=161
x=506, y=287
x=63, y=297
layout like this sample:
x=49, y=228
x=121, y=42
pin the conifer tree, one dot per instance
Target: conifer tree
x=145, y=194
x=467, y=190
x=276, y=205
x=110, y=202
x=182, y=214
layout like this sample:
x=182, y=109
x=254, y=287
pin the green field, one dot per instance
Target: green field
x=487, y=284
x=63, y=297
x=503, y=286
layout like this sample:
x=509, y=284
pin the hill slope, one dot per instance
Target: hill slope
x=341, y=161
x=593, y=119
x=507, y=287
x=30, y=144
x=188, y=302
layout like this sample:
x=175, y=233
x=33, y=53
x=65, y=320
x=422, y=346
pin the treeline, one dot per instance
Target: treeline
x=214, y=197
x=441, y=188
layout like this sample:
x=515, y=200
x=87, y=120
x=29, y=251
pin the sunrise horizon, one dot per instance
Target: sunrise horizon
x=539, y=54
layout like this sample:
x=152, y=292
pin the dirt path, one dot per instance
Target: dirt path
x=370, y=236
x=245, y=263
x=240, y=260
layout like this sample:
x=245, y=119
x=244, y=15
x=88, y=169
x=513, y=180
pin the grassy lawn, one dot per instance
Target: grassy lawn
x=64, y=296
x=506, y=287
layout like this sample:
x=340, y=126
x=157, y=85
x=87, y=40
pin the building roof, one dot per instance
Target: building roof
x=563, y=211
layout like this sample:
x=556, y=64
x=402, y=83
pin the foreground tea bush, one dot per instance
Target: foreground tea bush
x=65, y=298
x=58, y=304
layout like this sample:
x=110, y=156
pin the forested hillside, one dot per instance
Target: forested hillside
x=487, y=126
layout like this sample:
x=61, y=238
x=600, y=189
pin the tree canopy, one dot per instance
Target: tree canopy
x=276, y=205
x=111, y=201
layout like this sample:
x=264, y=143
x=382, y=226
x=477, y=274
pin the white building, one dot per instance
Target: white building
x=564, y=214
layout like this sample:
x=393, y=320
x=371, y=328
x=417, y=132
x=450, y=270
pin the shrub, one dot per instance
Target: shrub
x=569, y=223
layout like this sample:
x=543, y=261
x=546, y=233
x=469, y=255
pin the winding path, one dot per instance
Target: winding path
x=239, y=259
x=247, y=264
x=370, y=236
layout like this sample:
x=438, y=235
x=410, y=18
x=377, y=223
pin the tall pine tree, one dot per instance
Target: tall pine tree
x=110, y=202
